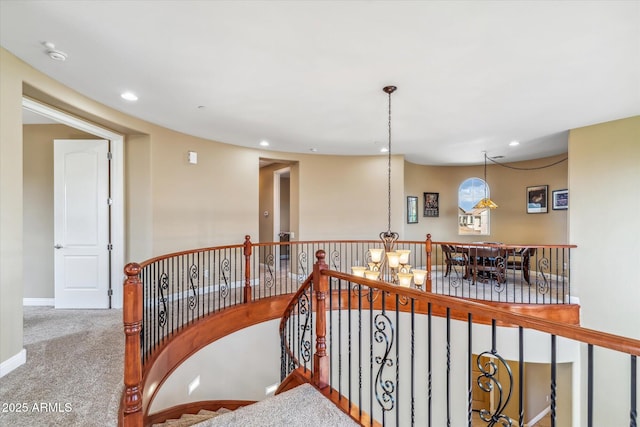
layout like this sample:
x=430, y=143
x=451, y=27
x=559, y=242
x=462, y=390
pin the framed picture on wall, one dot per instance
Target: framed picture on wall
x=412, y=209
x=537, y=199
x=560, y=199
x=431, y=204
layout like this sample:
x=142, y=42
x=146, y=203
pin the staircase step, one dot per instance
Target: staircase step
x=187, y=420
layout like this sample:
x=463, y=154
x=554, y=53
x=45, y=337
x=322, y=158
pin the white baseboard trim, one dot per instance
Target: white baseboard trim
x=39, y=301
x=538, y=417
x=13, y=362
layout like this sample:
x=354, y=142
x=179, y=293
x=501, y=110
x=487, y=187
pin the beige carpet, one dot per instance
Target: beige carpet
x=74, y=370
x=301, y=406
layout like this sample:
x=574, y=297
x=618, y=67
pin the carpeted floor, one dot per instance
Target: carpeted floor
x=303, y=405
x=74, y=370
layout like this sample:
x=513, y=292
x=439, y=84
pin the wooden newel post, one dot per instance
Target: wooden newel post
x=248, y=246
x=132, y=320
x=321, y=359
x=429, y=249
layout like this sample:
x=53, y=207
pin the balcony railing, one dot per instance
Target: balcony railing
x=167, y=294
x=394, y=356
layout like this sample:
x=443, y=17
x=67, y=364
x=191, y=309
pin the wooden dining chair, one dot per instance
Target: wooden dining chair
x=520, y=259
x=455, y=256
x=487, y=263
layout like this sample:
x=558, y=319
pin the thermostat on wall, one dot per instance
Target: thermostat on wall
x=193, y=157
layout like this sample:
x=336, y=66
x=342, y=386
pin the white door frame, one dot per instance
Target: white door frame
x=117, y=185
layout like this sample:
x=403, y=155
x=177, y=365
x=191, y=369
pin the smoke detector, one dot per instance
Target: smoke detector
x=54, y=53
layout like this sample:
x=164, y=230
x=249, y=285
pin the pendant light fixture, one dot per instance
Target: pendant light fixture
x=386, y=263
x=486, y=202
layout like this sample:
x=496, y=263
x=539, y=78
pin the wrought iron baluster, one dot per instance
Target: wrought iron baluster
x=521, y=376
x=633, y=411
x=413, y=362
x=590, y=385
x=469, y=368
x=429, y=368
x=302, y=265
x=553, y=380
x=488, y=380
x=448, y=390
x=162, y=286
x=193, y=294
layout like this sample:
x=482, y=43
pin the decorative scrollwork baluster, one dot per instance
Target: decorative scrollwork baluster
x=193, y=281
x=501, y=279
x=225, y=271
x=542, y=277
x=302, y=264
x=335, y=260
x=163, y=285
x=487, y=381
x=385, y=388
x=269, y=279
x=305, y=327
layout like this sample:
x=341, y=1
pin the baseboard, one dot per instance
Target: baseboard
x=39, y=301
x=13, y=362
x=538, y=417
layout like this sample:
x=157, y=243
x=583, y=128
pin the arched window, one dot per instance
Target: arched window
x=472, y=221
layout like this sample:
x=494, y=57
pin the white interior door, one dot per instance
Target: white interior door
x=81, y=222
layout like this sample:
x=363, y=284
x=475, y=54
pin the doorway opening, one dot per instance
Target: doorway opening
x=113, y=297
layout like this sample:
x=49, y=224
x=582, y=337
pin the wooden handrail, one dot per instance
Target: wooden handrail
x=577, y=333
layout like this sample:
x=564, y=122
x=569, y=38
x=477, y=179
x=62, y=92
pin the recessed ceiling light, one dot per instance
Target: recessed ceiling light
x=129, y=96
x=384, y=150
x=513, y=143
x=314, y=150
x=264, y=143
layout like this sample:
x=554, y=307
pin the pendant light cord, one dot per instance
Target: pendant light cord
x=389, y=170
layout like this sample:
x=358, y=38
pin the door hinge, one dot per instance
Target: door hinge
x=110, y=292
x=109, y=156
x=110, y=246
x=109, y=201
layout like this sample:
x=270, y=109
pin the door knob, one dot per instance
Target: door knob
x=58, y=246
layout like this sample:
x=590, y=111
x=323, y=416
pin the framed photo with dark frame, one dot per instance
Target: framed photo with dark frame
x=412, y=209
x=431, y=204
x=537, y=199
x=560, y=199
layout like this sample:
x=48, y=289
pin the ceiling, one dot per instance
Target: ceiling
x=472, y=76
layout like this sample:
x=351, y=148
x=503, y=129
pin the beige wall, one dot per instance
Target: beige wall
x=510, y=223
x=604, y=182
x=211, y=203
x=346, y=197
x=38, y=204
x=11, y=239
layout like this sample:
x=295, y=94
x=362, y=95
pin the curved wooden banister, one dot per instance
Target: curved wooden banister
x=188, y=252
x=136, y=400
x=588, y=336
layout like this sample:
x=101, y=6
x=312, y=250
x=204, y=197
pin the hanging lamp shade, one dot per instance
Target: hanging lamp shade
x=486, y=202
